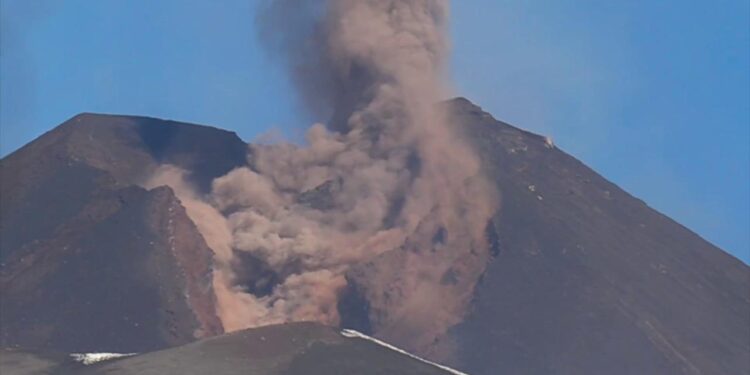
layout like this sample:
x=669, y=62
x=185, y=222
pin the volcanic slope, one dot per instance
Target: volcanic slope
x=91, y=261
x=587, y=279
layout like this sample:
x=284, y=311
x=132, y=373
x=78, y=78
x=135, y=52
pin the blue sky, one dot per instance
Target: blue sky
x=655, y=95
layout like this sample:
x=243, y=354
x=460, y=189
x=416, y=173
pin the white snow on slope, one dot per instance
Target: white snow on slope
x=91, y=358
x=354, y=334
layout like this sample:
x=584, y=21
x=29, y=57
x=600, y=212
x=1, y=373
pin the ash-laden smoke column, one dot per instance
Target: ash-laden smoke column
x=386, y=199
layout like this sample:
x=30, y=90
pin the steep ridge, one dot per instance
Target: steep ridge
x=587, y=279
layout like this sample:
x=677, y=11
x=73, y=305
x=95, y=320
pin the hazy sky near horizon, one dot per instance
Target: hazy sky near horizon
x=653, y=95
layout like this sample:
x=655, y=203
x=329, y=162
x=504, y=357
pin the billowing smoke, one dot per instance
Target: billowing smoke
x=386, y=200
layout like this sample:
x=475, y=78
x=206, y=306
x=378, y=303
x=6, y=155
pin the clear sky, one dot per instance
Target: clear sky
x=654, y=95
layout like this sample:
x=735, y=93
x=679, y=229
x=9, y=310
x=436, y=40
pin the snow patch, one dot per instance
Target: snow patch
x=355, y=334
x=91, y=358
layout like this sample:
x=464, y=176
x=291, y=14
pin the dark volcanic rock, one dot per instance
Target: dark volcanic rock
x=590, y=280
x=90, y=261
x=322, y=197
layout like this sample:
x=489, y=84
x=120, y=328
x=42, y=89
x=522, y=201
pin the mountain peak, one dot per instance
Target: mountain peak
x=129, y=148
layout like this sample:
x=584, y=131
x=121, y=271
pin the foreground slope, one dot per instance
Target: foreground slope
x=588, y=279
x=290, y=349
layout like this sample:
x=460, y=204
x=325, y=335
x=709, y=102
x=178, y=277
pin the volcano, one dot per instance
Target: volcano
x=583, y=278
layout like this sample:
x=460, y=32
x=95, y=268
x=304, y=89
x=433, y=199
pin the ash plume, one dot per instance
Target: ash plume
x=386, y=196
